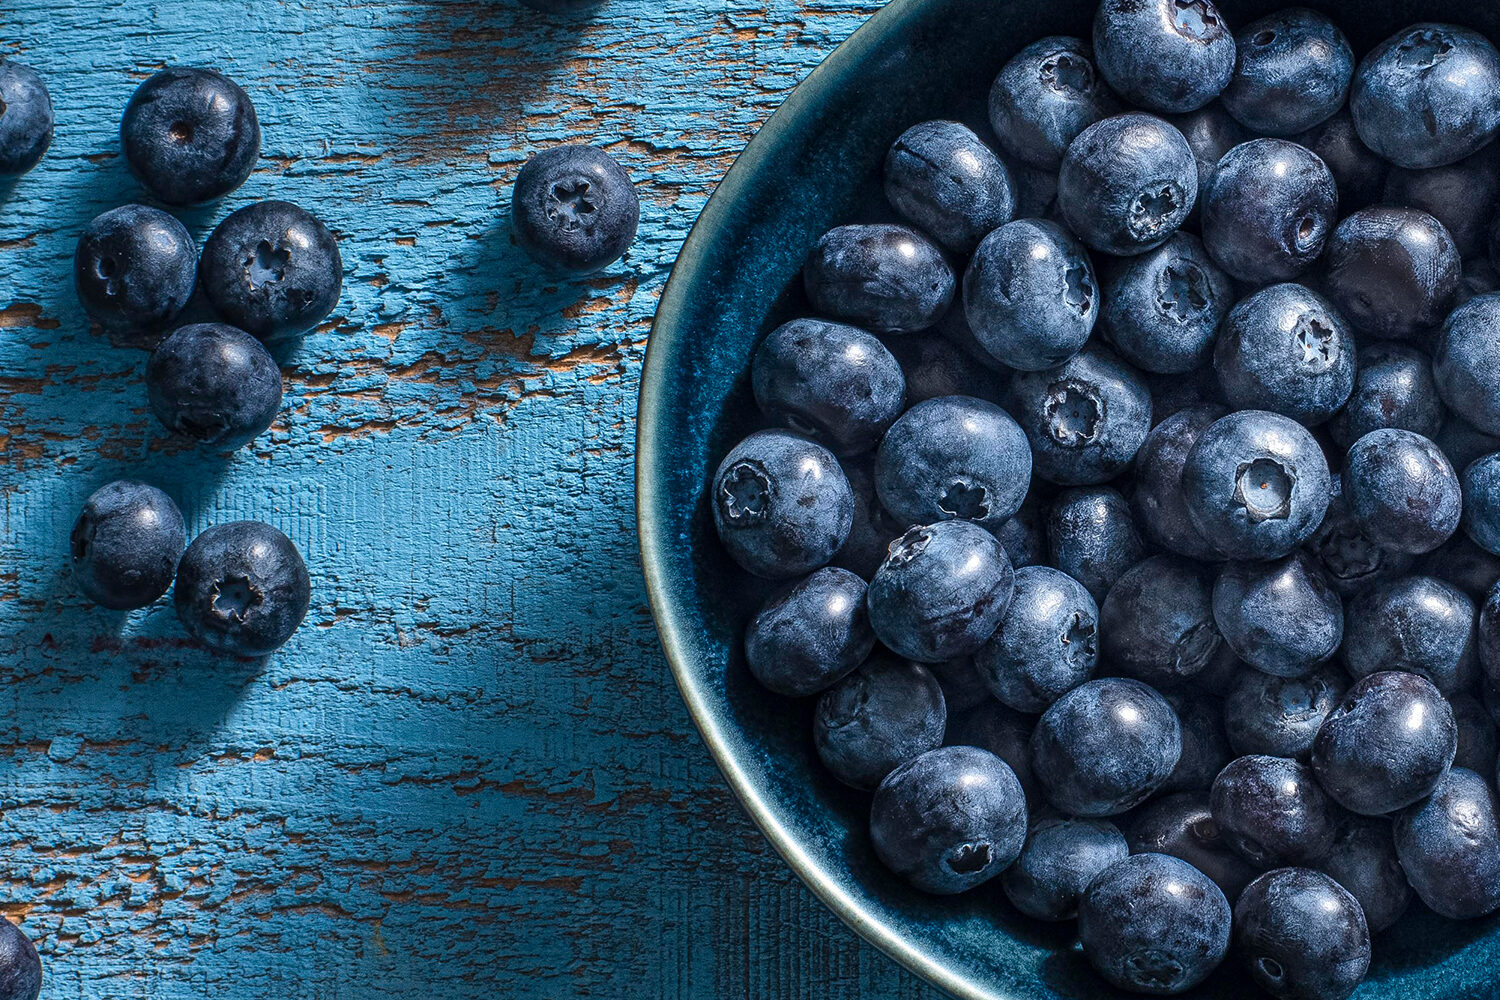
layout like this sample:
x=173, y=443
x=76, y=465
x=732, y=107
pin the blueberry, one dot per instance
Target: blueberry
x=1060, y=859
x=126, y=544
x=1003, y=732
x=134, y=269
x=890, y=279
x=1030, y=297
x=871, y=528
x=1286, y=349
x=1163, y=308
x=1282, y=617
x=884, y=714
x=937, y=366
x=1466, y=363
x=1210, y=133
x=1478, y=740
x=1487, y=640
x=963, y=688
x=1157, y=621
x=215, y=384
x=20, y=968
x=810, y=634
x=949, y=820
x=1127, y=184
x=1363, y=861
x=1402, y=491
x=781, y=504
x=1387, y=745
x=832, y=382
x=1183, y=826
x=1449, y=846
x=1349, y=555
x=1092, y=537
x=941, y=591
x=1154, y=924
x=1047, y=643
x=1257, y=484
x=25, y=118
x=1273, y=812
x=190, y=135
x=1428, y=96
x=1393, y=272
x=953, y=457
x=1280, y=716
x=272, y=269
x=1205, y=747
x=1164, y=55
x=1425, y=627
x=1292, y=72
x=1358, y=172
x=1025, y=535
x=1105, y=746
x=242, y=588
x=1157, y=499
x=1045, y=96
x=1393, y=387
x=1465, y=565
x=945, y=181
x=1301, y=935
x=1269, y=210
x=1462, y=196
x=1085, y=418
x=574, y=209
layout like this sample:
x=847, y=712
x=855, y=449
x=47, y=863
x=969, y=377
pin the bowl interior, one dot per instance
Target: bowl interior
x=816, y=164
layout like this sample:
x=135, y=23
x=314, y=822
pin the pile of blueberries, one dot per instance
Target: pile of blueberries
x=1138, y=494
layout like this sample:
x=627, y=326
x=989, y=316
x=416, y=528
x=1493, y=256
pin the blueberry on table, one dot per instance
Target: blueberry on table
x=1282, y=617
x=1280, y=716
x=1164, y=55
x=1402, y=491
x=1462, y=196
x=213, y=383
x=885, y=278
x=1394, y=272
x=1269, y=210
x=879, y=717
x=1152, y=923
x=1060, y=859
x=1162, y=308
x=1428, y=96
x=25, y=117
x=1205, y=747
x=574, y=209
x=1003, y=732
x=1273, y=811
x=134, y=269
x=1183, y=826
x=1478, y=737
x=1466, y=363
x=20, y=968
x=1286, y=349
x=1157, y=621
x=1047, y=643
x=1127, y=184
x=1364, y=862
x=242, y=588
x=811, y=634
x=1393, y=387
x=1092, y=537
x=1301, y=935
x=1210, y=133
x=1045, y=96
x=272, y=269
x=190, y=135
x=1157, y=499
x=782, y=504
x=1350, y=557
x=1425, y=626
x=1085, y=419
x=943, y=179
x=126, y=544
x=1359, y=173
x=1449, y=846
x=950, y=820
x=1292, y=73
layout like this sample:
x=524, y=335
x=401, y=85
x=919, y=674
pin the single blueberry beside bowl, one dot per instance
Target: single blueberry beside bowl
x=944, y=180
x=242, y=588
x=1286, y=349
x=574, y=209
x=213, y=383
x=272, y=269
x=872, y=721
x=126, y=544
x=1044, y=97
x=1449, y=846
x=25, y=117
x=134, y=269
x=1269, y=210
x=1030, y=296
x=190, y=135
x=811, y=634
x=1127, y=184
x=885, y=278
x=1164, y=55
x=1301, y=935
x=1292, y=73
x=1060, y=859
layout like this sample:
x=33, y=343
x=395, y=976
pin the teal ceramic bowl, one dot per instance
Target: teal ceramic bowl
x=813, y=166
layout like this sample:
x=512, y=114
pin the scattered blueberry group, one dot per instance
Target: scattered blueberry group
x=1142, y=550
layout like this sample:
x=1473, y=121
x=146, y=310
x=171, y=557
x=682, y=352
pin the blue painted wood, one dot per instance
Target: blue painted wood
x=470, y=773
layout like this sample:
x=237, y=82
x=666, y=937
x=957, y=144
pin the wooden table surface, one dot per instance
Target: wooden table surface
x=469, y=775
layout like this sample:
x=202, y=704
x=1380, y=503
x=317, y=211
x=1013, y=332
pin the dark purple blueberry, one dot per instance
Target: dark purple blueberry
x=1449, y=846
x=1060, y=859
x=1030, y=296
x=1401, y=490
x=1301, y=935
x=1269, y=210
x=242, y=588
x=1417, y=624
x=884, y=714
x=889, y=279
x=1462, y=196
x=1363, y=861
x=1127, y=184
x=1478, y=739
x=1286, y=349
x=1162, y=308
x=1183, y=826
x=126, y=545
x=1283, y=617
x=25, y=118
x=134, y=269
x=810, y=634
x=215, y=384
x=1044, y=97
x=1157, y=498
x=1393, y=387
x=1047, y=643
x=1092, y=537
x=1280, y=716
x=190, y=135
x=1164, y=55
x=1292, y=72
x=1273, y=812
x=1085, y=419
x=574, y=209
x=1157, y=623
x=1393, y=272
x=272, y=269
x=941, y=178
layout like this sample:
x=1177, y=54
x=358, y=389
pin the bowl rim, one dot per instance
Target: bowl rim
x=894, y=19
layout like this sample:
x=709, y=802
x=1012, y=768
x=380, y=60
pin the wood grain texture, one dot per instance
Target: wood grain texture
x=470, y=773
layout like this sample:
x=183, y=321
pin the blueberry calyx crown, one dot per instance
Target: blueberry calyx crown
x=1074, y=412
x=1182, y=290
x=745, y=495
x=968, y=501
x=1264, y=489
x=1155, y=209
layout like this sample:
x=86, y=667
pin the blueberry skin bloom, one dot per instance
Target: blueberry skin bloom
x=126, y=544
x=1449, y=846
x=941, y=592
x=134, y=269
x=1283, y=617
x=1257, y=484
x=1402, y=491
x=1269, y=210
x=1301, y=935
x=1105, y=746
x=1426, y=627
x=1085, y=418
x=1466, y=362
x=1030, y=296
x=953, y=457
x=1280, y=716
x=213, y=383
x=1273, y=812
x=833, y=382
x=1157, y=498
x=890, y=279
x=781, y=503
x=1481, y=490
x=1462, y=196
x=1163, y=308
x=574, y=209
x=1164, y=55
x=1286, y=349
x=1358, y=172
x=272, y=269
x=190, y=135
x=1154, y=924
x=1157, y=621
x=1394, y=272
x=1092, y=537
x=1183, y=826
x=811, y=634
x=1127, y=184
x=1047, y=643
x=879, y=717
x=1060, y=859
x=1387, y=745
x=26, y=121
x=1045, y=96
x=1292, y=73
x=1428, y=96
x=242, y=588
x=945, y=181
x=1363, y=861
x=20, y=968
x=1393, y=387
x=950, y=820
